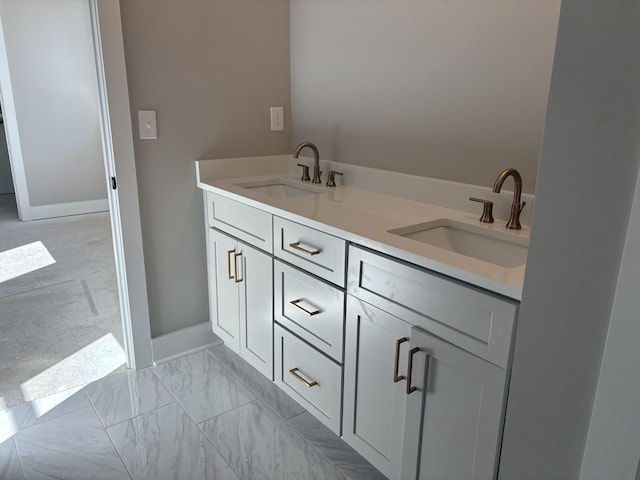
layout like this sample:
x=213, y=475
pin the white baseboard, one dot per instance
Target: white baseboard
x=184, y=341
x=64, y=209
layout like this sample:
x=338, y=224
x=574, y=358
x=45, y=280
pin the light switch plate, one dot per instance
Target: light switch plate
x=147, y=124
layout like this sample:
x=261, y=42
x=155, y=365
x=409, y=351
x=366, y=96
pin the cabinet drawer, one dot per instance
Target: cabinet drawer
x=249, y=224
x=312, y=250
x=309, y=377
x=468, y=317
x=311, y=308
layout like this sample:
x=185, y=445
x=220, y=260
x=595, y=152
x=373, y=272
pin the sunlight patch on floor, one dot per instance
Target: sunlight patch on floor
x=91, y=363
x=24, y=259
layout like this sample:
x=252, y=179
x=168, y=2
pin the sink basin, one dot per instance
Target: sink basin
x=280, y=189
x=488, y=245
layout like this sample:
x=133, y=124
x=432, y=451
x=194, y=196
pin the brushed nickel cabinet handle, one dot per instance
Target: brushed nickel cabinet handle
x=235, y=266
x=396, y=377
x=294, y=372
x=411, y=388
x=229, y=252
x=296, y=246
x=296, y=303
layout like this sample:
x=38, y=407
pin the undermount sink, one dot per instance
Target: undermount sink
x=481, y=243
x=279, y=189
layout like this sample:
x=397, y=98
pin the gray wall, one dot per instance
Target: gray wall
x=211, y=70
x=613, y=443
x=52, y=67
x=586, y=182
x=447, y=89
x=6, y=180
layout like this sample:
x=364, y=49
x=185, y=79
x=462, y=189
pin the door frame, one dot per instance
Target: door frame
x=11, y=132
x=117, y=135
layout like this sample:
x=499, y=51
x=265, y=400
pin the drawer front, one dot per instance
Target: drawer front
x=470, y=318
x=309, y=377
x=312, y=250
x=311, y=308
x=249, y=224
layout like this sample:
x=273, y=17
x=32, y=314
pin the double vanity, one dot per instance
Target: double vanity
x=389, y=319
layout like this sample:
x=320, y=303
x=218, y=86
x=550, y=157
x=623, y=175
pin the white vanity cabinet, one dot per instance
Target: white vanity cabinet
x=409, y=366
x=240, y=287
x=415, y=405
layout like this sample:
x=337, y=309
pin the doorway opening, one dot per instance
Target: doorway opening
x=60, y=309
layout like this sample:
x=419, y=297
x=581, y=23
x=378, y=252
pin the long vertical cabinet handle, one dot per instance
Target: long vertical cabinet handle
x=229, y=252
x=235, y=266
x=411, y=388
x=396, y=377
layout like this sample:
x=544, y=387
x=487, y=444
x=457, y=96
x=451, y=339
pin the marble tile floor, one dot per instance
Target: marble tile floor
x=208, y=415
x=59, y=312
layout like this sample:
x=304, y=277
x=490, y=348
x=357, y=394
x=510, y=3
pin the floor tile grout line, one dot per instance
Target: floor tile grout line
x=304, y=439
x=171, y=393
x=285, y=421
x=256, y=398
x=15, y=432
x=197, y=425
x=342, y=472
x=41, y=287
x=106, y=431
x=257, y=394
x=254, y=392
x=204, y=434
x=20, y=462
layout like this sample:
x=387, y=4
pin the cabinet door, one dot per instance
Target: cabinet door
x=223, y=288
x=453, y=419
x=256, y=309
x=376, y=352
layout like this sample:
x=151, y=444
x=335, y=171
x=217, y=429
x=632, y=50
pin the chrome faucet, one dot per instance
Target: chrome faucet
x=316, y=160
x=516, y=207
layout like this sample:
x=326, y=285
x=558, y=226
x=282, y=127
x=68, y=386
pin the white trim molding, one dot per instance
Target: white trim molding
x=184, y=341
x=11, y=129
x=63, y=209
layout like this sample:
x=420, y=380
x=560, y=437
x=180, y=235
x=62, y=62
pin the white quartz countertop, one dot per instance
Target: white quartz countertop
x=365, y=218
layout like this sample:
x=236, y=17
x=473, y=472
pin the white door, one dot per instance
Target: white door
x=224, y=275
x=256, y=308
x=453, y=419
x=376, y=352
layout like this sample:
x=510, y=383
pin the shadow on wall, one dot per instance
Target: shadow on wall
x=6, y=179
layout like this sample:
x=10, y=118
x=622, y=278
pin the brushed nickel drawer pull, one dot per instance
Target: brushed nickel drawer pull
x=296, y=303
x=411, y=388
x=304, y=248
x=229, y=252
x=235, y=266
x=294, y=372
x=396, y=377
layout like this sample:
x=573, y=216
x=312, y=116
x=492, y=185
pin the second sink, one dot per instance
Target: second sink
x=474, y=241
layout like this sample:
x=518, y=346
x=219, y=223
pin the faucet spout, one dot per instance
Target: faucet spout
x=516, y=206
x=316, y=160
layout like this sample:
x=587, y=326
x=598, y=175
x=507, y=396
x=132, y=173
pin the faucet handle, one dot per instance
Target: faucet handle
x=522, y=206
x=305, y=172
x=487, y=211
x=331, y=181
